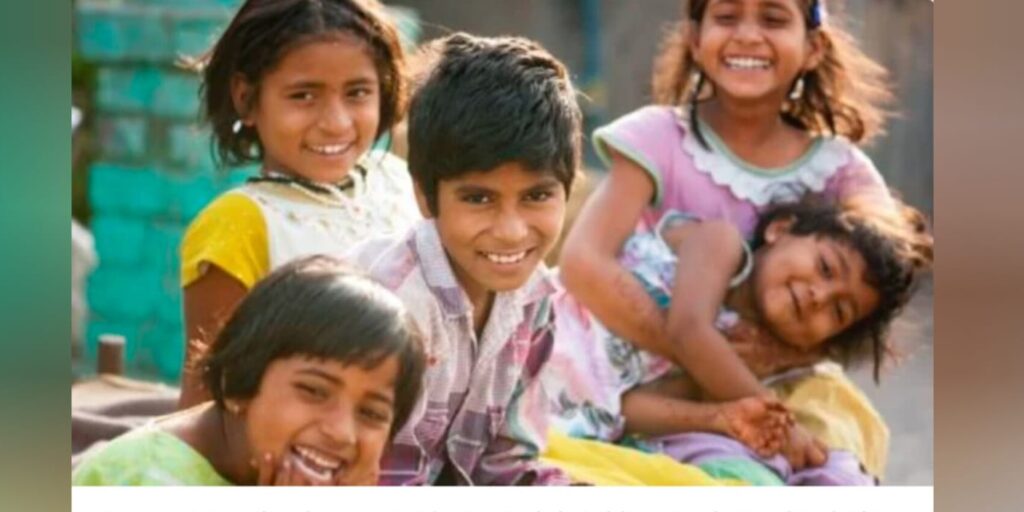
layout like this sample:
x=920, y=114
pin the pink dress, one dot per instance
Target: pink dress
x=715, y=184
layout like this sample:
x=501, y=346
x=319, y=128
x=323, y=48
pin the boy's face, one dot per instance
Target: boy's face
x=497, y=225
x=329, y=421
x=810, y=288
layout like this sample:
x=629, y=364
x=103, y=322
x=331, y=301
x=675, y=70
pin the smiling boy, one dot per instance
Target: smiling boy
x=494, y=145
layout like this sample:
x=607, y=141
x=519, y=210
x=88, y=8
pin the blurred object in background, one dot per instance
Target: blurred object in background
x=83, y=260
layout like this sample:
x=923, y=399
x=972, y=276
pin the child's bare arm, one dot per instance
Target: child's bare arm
x=758, y=422
x=208, y=302
x=709, y=253
x=589, y=261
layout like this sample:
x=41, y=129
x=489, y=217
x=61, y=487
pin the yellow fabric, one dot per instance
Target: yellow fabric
x=598, y=463
x=832, y=408
x=231, y=234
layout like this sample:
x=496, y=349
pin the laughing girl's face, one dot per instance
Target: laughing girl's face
x=329, y=420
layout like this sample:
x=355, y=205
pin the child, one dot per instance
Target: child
x=763, y=102
x=314, y=372
x=820, y=279
x=305, y=89
x=494, y=144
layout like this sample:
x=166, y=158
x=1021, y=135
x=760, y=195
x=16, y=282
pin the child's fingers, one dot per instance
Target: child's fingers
x=265, y=470
x=286, y=473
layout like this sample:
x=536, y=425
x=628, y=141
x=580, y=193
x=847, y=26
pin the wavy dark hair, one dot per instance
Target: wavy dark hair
x=896, y=245
x=262, y=32
x=315, y=307
x=844, y=95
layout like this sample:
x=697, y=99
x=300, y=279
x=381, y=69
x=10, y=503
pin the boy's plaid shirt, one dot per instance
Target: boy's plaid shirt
x=482, y=408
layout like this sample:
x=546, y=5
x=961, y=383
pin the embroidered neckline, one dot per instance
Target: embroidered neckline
x=809, y=173
x=331, y=194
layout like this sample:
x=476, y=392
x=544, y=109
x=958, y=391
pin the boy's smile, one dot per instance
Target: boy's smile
x=496, y=226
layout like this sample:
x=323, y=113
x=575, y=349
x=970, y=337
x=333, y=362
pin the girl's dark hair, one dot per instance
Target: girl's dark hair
x=318, y=308
x=896, y=245
x=262, y=32
x=844, y=95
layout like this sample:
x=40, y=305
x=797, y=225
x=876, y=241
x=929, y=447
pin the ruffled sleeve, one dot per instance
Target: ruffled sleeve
x=647, y=137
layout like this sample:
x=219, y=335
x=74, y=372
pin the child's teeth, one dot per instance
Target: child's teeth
x=506, y=259
x=329, y=463
x=746, y=62
x=330, y=150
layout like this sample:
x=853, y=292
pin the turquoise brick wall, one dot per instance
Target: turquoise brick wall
x=155, y=171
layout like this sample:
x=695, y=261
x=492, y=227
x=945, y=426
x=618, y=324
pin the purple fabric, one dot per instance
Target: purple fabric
x=842, y=468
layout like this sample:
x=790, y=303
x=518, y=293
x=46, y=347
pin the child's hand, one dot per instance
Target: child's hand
x=765, y=354
x=761, y=423
x=804, y=450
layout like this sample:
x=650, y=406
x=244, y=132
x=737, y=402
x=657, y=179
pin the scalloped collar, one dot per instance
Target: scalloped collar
x=810, y=173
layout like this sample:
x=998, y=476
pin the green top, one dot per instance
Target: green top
x=146, y=456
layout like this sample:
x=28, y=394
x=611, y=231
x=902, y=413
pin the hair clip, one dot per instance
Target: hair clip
x=817, y=15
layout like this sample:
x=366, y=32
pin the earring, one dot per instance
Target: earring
x=233, y=407
x=798, y=89
x=236, y=127
x=699, y=87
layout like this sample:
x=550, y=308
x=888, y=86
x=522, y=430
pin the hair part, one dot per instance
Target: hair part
x=262, y=32
x=315, y=307
x=844, y=95
x=483, y=102
x=894, y=240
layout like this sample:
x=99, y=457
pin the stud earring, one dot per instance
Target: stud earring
x=236, y=127
x=233, y=407
x=798, y=89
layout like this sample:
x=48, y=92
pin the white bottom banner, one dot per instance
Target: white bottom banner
x=501, y=499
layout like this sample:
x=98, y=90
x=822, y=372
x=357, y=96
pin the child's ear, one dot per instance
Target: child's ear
x=421, y=201
x=817, y=46
x=777, y=228
x=241, y=95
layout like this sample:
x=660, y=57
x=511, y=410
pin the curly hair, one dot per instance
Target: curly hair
x=844, y=95
x=897, y=247
x=263, y=32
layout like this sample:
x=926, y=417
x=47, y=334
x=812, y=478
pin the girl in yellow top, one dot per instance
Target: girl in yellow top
x=304, y=88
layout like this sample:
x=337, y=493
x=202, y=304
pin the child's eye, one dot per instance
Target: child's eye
x=310, y=391
x=826, y=270
x=375, y=415
x=725, y=18
x=476, y=199
x=539, y=195
x=360, y=92
x=301, y=96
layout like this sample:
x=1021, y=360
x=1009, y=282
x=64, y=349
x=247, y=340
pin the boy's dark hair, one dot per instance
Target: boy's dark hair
x=483, y=102
x=315, y=307
x=894, y=241
x=263, y=31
